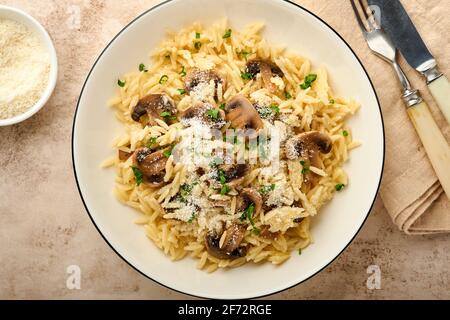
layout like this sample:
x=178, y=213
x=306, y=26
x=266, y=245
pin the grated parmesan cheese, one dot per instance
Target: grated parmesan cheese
x=24, y=68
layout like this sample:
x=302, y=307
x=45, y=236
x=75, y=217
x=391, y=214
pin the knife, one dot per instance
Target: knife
x=397, y=24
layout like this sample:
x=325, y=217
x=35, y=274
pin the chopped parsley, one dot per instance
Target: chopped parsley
x=121, y=83
x=287, y=95
x=245, y=54
x=167, y=153
x=142, y=68
x=225, y=189
x=267, y=189
x=275, y=108
x=222, y=106
x=183, y=72
x=300, y=251
x=167, y=115
x=185, y=190
x=339, y=187
x=227, y=34
x=248, y=214
x=213, y=114
x=151, y=142
x=331, y=101
x=305, y=167
x=197, y=35
x=309, y=79
x=246, y=76
x=138, y=175
x=345, y=133
x=221, y=176
x=181, y=91
x=192, y=218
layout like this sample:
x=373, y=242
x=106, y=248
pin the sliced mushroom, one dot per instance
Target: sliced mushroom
x=242, y=114
x=123, y=155
x=230, y=248
x=267, y=69
x=152, y=165
x=308, y=146
x=234, y=173
x=203, y=77
x=247, y=197
x=214, y=119
x=153, y=105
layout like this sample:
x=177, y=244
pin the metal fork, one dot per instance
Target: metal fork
x=433, y=141
x=382, y=46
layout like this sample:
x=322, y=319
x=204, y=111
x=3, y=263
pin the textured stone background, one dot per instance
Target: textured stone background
x=44, y=227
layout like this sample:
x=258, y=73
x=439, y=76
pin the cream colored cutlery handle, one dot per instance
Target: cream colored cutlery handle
x=440, y=89
x=434, y=142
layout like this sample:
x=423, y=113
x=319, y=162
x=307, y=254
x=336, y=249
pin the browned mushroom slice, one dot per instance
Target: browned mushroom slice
x=248, y=197
x=242, y=114
x=234, y=173
x=152, y=165
x=308, y=146
x=206, y=114
x=197, y=77
x=123, y=155
x=267, y=69
x=153, y=105
x=230, y=248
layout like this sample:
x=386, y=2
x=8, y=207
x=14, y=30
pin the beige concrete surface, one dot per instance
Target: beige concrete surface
x=44, y=227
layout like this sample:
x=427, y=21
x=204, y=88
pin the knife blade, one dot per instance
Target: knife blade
x=397, y=24
x=394, y=20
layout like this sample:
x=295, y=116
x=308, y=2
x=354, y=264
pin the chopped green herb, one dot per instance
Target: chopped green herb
x=137, y=175
x=275, y=108
x=248, y=214
x=197, y=45
x=246, y=76
x=213, y=114
x=345, y=133
x=300, y=251
x=225, y=189
x=245, y=54
x=151, y=142
x=222, y=178
x=121, y=83
x=227, y=34
x=267, y=189
x=339, y=186
x=192, y=218
x=309, y=79
x=302, y=162
x=305, y=167
x=222, y=106
x=185, y=190
x=167, y=115
x=331, y=101
x=197, y=35
x=287, y=95
x=181, y=91
x=167, y=153
x=183, y=72
x=163, y=79
x=142, y=68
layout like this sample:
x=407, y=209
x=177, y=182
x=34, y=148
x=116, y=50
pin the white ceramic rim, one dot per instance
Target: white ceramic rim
x=37, y=27
x=319, y=20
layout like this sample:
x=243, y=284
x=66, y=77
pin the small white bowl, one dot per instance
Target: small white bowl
x=24, y=18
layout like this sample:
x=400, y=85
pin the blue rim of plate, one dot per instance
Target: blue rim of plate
x=299, y=7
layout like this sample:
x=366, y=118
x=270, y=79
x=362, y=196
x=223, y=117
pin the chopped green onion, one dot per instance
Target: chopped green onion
x=167, y=115
x=222, y=106
x=181, y=91
x=309, y=79
x=345, y=133
x=168, y=153
x=287, y=95
x=151, y=142
x=138, y=175
x=300, y=251
x=275, y=108
x=222, y=178
x=225, y=189
x=227, y=34
x=121, y=83
x=197, y=35
x=213, y=114
x=163, y=79
x=339, y=187
x=142, y=68
x=305, y=167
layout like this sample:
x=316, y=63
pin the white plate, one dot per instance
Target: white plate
x=95, y=126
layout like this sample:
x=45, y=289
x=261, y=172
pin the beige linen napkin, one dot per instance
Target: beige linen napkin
x=410, y=189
